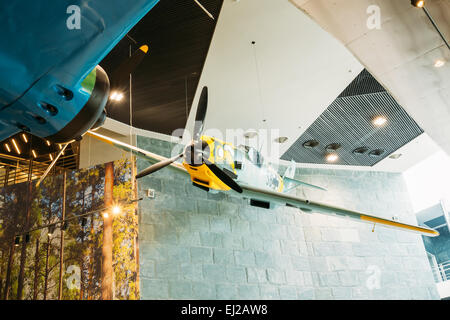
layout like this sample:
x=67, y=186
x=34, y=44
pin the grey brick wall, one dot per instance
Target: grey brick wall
x=195, y=245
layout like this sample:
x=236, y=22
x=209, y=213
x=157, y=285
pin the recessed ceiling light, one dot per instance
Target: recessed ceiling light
x=250, y=134
x=379, y=121
x=376, y=152
x=439, y=63
x=332, y=147
x=310, y=144
x=395, y=156
x=332, y=157
x=360, y=150
x=281, y=139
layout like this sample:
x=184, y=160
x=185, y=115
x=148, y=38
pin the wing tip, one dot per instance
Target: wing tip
x=144, y=48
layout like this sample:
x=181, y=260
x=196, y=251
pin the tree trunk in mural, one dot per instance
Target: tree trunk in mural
x=8, y=271
x=36, y=271
x=136, y=238
x=90, y=288
x=107, y=246
x=83, y=234
x=61, y=246
x=91, y=261
x=46, y=269
x=23, y=254
x=1, y=273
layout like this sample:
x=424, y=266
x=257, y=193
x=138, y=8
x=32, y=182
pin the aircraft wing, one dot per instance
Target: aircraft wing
x=280, y=198
x=310, y=206
x=149, y=156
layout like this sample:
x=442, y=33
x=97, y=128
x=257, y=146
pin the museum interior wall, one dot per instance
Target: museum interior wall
x=196, y=245
x=93, y=256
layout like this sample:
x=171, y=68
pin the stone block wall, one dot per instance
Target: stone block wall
x=196, y=245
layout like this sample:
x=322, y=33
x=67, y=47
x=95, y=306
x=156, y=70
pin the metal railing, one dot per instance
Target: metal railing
x=441, y=272
x=16, y=170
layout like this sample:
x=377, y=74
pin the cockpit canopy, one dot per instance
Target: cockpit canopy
x=253, y=155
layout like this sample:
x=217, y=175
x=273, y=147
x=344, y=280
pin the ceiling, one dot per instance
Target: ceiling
x=400, y=54
x=277, y=85
x=348, y=124
x=268, y=67
x=178, y=34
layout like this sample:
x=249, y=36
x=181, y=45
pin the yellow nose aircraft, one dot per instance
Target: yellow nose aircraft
x=217, y=166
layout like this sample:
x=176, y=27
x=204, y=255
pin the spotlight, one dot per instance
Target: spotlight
x=34, y=153
x=51, y=157
x=7, y=147
x=439, y=63
x=418, y=3
x=116, y=96
x=332, y=157
x=48, y=142
x=17, y=241
x=24, y=137
x=116, y=210
x=51, y=229
x=379, y=121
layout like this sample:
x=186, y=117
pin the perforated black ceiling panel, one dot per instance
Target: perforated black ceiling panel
x=178, y=34
x=348, y=122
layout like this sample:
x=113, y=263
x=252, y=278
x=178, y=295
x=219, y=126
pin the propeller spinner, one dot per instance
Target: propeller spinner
x=196, y=153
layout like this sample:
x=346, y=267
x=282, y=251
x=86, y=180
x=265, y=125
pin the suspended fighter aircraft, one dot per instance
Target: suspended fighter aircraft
x=51, y=84
x=214, y=165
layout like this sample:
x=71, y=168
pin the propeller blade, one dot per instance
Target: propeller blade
x=120, y=76
x=223, y=176
x=201, y=113
x=157, y=166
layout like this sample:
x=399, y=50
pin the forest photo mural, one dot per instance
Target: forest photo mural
x=72, y=238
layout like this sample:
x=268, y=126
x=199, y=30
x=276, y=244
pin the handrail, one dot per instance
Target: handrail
x=441, y=272
x=19, y=170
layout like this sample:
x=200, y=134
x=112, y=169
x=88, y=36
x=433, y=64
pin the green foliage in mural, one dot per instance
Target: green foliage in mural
x=23, y=208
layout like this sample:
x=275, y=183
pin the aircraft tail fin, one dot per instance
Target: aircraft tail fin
x=290, y=183
x=290, y=171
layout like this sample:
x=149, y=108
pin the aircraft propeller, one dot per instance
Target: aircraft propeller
x=195, y=152
x=120, y=76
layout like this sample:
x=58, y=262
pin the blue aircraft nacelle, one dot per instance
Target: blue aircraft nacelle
x=50, y=81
